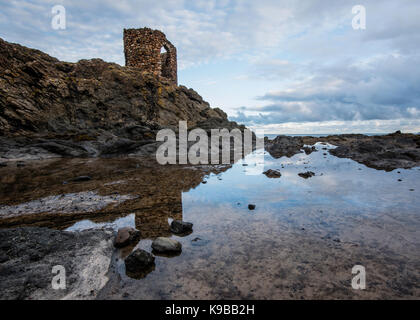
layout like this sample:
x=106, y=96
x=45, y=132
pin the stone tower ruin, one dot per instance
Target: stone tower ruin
x=150, y=51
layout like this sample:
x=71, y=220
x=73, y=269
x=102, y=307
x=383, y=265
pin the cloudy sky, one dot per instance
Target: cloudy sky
x=285, y=66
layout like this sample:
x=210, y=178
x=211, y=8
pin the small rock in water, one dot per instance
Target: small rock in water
x=3, y=164
x=3, y=257
x=20, y=164
x=204, y=182
x=399, y=180
x=139, y=260
x=125, y=236
x=273, y=174
x=179, y=227
x=166, y=245
x=306, y=175
x=251, y=206
x=199, y=242
x=309, y=150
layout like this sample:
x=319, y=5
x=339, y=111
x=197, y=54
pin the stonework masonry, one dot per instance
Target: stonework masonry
x=150, y=51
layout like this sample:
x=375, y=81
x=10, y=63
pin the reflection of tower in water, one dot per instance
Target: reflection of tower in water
x=152, y=221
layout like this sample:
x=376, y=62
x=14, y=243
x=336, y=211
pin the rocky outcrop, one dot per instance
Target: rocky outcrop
x=386, y=152
x=181, y=227
x=139, y=263
x=285, y=146
x=28, y=255
x=306, y=175
x=50, y=108
x=126, y=236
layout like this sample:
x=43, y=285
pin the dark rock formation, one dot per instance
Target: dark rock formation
x=180, y=227
x=386, y=152
x=139, y=262
x=306, y=175
x=50, y=108
x=273, y=174
x=251, y=206
x=166, y=245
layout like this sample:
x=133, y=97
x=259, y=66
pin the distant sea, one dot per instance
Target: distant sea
x=273, y=135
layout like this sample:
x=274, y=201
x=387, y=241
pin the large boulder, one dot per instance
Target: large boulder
x=88, y=108
x=139, y=261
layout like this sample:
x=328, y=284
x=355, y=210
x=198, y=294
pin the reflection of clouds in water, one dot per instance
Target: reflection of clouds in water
x=338, y=182
x=128, y=221
x=295, y=223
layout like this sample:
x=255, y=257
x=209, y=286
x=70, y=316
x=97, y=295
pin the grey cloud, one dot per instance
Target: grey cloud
x=386, y=88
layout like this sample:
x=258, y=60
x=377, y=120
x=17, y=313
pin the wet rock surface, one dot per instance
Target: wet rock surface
x=139, y=262
x=306, y=175
x=126, y=236
x=235, y=253
x=166, y=245
x=87, y=109
x=273, y=174
x=181, y=227
x=69, y=203
x=284, y=146
x=29, y=254
x=385, y=152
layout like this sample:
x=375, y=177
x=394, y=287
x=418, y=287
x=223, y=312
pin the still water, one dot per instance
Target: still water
x=300, y=242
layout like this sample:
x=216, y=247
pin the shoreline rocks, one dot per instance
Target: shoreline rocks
x=382, y=152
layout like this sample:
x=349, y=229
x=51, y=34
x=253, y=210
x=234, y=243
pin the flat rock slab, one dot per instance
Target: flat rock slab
x=166, y=245
x=88, y=201
x=28, y=256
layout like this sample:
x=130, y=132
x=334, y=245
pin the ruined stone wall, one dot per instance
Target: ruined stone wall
x=142, y=49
